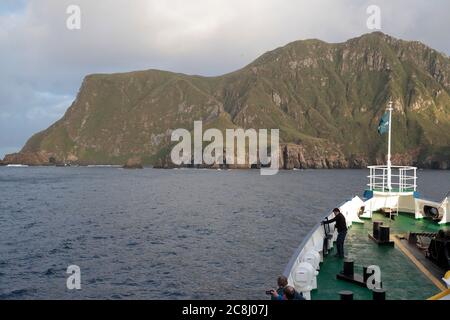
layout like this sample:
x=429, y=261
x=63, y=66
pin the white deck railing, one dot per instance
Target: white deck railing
x=403, y=179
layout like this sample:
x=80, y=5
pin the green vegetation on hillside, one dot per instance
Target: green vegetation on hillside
x=319, y=95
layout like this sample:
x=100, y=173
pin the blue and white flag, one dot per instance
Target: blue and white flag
x=383, y=127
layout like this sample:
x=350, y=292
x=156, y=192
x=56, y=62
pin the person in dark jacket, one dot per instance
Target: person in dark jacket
x=282, y=282
x=287, y=293
x=341, y=226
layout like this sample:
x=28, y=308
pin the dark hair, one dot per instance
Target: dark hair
x=289, y=292
x=282, y=281
x=336, y=210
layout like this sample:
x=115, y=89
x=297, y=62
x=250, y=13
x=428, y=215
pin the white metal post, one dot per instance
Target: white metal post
x=389, y=186
x=415, y=179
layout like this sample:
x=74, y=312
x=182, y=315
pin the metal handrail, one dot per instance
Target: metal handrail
x=385, y=167
x=403, y=179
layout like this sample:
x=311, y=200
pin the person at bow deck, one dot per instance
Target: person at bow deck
x=282, y=282
x=287, y=293
x=341, y=226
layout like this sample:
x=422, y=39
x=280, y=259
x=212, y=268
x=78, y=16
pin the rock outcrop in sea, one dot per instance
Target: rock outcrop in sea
x=133, y=163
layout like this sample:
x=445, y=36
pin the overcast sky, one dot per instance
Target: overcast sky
x=42, y=63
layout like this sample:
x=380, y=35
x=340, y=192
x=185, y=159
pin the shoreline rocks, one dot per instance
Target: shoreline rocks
x=133, y=163
x=28, y=158
x=292, y=156
x=296, y=156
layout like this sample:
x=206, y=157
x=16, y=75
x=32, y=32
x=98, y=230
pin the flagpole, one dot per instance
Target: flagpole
x=389, y=185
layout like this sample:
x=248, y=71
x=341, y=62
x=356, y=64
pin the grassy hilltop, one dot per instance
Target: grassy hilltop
x=326, y=99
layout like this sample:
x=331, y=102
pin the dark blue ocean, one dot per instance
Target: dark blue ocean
x=163, y=234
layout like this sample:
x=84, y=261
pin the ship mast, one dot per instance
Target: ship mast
x=389, y=180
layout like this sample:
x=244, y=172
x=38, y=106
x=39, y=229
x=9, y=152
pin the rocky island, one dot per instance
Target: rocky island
x=326, y=99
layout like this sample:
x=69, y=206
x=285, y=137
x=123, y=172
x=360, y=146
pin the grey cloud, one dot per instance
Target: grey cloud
x=209, y=37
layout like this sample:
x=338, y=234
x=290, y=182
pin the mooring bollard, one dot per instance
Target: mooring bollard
x=366, y=275
x=379, y=294
x=348, y=267
x=376, y=228
x=384, y=234
x=346, y=295
x=381, y=234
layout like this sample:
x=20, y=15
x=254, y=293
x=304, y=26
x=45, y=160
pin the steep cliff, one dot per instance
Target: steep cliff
x=326, y=99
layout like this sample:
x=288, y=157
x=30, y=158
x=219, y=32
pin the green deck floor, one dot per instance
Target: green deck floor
x=400, y=277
